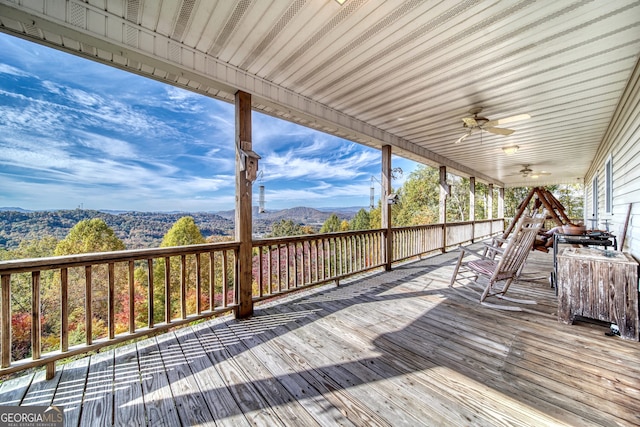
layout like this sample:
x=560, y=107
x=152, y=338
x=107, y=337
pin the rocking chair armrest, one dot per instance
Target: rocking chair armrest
x=493, y=248
x=476, y=253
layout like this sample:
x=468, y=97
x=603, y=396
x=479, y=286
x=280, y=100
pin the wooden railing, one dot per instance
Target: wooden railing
x=111, y=297
x=157, y=289
x=284, y=264
x=409, y=242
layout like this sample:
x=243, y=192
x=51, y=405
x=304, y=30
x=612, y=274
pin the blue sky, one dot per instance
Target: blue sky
x=74, y=133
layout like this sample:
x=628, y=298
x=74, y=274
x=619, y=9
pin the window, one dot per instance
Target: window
x=608, y=186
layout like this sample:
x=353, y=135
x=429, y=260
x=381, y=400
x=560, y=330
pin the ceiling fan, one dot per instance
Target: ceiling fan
x=478, y=124
x=527, y=172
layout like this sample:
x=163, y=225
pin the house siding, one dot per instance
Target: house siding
x=622, y=142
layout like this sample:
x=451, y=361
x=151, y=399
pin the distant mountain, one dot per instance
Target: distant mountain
x=135, y=229
x=4, y=209
x=298, y=214
x=146, y=229
x=349, y=210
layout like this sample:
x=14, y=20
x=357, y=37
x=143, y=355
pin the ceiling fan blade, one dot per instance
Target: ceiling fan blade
x=463, y=137
x=499, y=131
x=470, y=122
x=492, y=123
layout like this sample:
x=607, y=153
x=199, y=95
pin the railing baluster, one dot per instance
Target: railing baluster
x=88, y=314
x=132, y=297
x=64, y=310
x=110, y=302
x=5, y=319
x=279, y=268
x=167, y=290
x=212, y=279
x=150, y=291
x=225, y=288
x=183, y=287
x=297, y=270
x=198, y=286
x=287, y=257
x=35, y=315
x=259, y=272
x=269, y=267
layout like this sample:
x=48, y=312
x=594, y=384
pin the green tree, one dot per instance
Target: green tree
x=375, y=217
x=361, y=221
x=331, y=225
x=458, y=200
x=89, y=235
x=572, y=198
x=183, y=232
x=513, y=197
x=284, y=228
x=419, y=198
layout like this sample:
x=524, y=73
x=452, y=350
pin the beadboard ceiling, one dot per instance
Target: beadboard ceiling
x=394, y=72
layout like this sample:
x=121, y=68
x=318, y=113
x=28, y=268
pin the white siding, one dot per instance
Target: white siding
x=622, y=143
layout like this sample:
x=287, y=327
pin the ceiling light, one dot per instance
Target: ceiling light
x=511, y=149
x=341, y=2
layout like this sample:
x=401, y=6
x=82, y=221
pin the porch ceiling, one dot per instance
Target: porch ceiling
x=380, y=72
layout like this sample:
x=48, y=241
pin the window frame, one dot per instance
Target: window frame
x=608, y=185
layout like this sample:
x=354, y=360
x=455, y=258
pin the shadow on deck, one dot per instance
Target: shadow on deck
x=391, y=348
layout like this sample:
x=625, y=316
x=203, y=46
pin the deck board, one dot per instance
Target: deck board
x=388, y=348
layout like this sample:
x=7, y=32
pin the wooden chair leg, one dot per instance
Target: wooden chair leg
x=456, y=269
x=506, y=286
x=486, y=291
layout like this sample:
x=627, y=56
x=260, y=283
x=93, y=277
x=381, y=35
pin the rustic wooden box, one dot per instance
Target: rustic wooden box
x=599, y=284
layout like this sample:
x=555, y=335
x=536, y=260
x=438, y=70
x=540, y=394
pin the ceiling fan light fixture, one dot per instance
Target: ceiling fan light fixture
x=341, y=2
x=510, y=149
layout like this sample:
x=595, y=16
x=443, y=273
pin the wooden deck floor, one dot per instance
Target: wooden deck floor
x=397, y=348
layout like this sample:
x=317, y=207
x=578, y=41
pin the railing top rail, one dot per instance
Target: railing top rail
x=414, y=227
x=306, y=237
x=65, y=261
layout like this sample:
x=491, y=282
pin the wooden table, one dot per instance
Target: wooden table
x=599, y=284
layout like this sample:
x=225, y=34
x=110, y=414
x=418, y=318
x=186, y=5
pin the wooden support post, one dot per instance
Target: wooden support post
x=472, y=206
x=472, y=198
x=385, y=206
x=50, y=370
x=444, y=192
x=501, y=202
x=490, y=202
x=243, y=216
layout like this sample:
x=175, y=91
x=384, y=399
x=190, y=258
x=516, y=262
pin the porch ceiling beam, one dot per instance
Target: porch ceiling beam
x=124, y=38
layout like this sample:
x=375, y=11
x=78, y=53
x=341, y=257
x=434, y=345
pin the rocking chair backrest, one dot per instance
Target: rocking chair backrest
x=518, y=247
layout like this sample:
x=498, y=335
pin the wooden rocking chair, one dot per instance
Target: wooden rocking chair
x=503, y=265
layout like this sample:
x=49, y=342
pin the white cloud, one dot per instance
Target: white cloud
x=111, y=146
x=291, y=165
x=8, y=69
